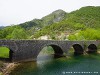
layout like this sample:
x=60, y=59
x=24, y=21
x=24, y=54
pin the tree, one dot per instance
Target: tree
x=88, y=34
x=19, y=34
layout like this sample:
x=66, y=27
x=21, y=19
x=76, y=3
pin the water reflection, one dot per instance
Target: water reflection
x=47, y=65
x=50, y=66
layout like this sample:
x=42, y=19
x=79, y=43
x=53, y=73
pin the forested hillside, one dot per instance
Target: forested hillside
x=82, y=24
x=79, y=20
x=31, y=26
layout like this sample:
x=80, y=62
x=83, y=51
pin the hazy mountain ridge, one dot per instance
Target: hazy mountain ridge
x=1, y=27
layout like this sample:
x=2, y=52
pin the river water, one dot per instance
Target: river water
x=46, y=64
x=71, y=65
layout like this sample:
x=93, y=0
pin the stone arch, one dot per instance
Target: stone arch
x=10, y=53
x=58, y=52
x=78, y=49
x=92, y=48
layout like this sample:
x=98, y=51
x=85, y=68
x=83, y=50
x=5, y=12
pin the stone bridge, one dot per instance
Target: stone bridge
x=28, y=50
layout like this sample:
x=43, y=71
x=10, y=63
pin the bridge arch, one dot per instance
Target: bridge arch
x=6, y=53
x=78, y=49
x=92, y=48
x=58, y=52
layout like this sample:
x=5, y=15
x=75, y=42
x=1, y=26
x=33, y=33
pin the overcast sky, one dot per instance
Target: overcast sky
x=19, y=11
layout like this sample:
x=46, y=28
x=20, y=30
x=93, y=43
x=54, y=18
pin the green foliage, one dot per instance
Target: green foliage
x=6, y=32
x=34, y=23
x=89, y=16
x=13, y=32
x=19, y=34
x=88, y=34
x=79, y=26
x=4, y=52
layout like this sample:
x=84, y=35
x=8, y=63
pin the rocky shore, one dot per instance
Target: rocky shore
x=6, y=68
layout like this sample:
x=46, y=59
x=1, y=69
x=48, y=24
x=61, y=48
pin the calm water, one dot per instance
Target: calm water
x=47, y=65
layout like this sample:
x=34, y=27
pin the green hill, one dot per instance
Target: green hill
x=86, y=17
x=80, y=21
x=31, y=26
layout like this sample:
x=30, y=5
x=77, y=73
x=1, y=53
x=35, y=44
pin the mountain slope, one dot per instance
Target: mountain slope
x=56, y=23
x=54, y=17
x=86, y=17
x=89, y=16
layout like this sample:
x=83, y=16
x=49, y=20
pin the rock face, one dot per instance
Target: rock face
x=59, y=15
x=54, y=17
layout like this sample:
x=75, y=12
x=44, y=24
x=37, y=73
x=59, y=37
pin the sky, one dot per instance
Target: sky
x=20, y=11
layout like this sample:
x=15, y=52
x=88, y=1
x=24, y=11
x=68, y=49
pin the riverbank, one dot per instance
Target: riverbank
x=6, y=68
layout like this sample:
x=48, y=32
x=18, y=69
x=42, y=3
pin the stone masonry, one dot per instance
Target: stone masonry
x=28, y=50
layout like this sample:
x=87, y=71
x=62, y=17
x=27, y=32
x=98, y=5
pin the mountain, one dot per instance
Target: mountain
x=30, y=27
x=54, y=17
x=57, y=23
x=85, y=17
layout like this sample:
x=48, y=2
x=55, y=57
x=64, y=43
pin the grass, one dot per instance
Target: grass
x=4, y=52
x=1, y=73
